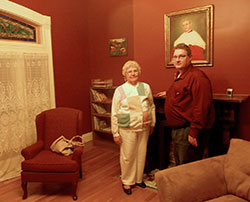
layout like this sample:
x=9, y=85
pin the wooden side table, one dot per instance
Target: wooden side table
x=227, y=113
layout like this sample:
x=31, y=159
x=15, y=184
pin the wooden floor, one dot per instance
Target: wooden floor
x=99, y=184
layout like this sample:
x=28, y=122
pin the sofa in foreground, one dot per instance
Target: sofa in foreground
x=224, y=178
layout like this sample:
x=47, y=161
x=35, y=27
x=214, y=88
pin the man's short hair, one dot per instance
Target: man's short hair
x=184, y=47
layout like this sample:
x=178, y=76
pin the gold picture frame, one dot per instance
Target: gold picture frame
x=193, y=27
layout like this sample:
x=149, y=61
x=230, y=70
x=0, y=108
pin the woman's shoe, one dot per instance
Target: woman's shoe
x=127, y=191
x=142, y=185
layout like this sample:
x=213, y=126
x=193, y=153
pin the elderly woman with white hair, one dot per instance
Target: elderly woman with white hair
x=132, y=121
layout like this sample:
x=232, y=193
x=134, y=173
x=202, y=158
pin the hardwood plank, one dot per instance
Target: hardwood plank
x=100, y=182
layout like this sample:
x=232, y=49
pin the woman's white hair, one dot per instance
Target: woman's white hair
x=128, y=64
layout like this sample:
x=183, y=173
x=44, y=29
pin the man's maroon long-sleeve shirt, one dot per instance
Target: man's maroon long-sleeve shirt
x=189, y=101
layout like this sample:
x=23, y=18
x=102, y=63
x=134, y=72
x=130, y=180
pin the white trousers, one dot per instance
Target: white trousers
x=133, y=155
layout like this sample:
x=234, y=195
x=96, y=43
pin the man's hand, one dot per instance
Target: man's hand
x=118, y=140
x=160, y=94
x=193, y=141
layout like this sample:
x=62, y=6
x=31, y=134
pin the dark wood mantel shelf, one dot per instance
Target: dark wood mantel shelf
x=236, y=98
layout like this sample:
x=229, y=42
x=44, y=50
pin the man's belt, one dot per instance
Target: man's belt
x=182, y=126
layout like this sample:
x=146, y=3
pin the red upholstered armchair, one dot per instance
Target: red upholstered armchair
x=43, y=165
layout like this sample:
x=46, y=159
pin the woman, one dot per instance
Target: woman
x=132, y=121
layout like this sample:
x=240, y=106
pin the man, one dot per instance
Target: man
x=193, y=39
x=188, y=107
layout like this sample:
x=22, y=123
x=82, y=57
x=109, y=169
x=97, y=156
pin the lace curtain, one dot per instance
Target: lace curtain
x=24, y=92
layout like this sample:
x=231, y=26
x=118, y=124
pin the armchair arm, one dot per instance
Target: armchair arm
x=197, y=181
x=32, y=150
x=77, y=155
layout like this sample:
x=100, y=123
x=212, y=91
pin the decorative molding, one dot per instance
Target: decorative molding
x=87, y=137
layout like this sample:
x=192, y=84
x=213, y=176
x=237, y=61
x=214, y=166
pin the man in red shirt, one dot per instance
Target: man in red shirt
x=188, y=107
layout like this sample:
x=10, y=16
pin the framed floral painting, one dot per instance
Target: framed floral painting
x=118, y=47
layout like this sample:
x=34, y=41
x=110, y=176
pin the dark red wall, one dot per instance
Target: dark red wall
x=231, y=47
x=109, y=19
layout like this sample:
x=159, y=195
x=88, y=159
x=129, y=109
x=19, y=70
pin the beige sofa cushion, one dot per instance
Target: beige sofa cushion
x=227, y=198
x=237, y=168
x=192, y=182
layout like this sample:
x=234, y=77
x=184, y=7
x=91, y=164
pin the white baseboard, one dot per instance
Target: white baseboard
x=87, y=137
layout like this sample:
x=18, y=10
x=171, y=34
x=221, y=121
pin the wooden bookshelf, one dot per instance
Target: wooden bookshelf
x=100, y=103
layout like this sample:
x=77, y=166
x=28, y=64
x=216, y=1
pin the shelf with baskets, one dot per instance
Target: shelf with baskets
x=101, y=102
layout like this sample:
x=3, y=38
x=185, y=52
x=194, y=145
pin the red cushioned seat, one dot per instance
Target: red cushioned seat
x=48, y=161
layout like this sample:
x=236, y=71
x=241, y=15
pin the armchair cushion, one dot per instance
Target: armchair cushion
x=237, y=168
x=47, y=161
